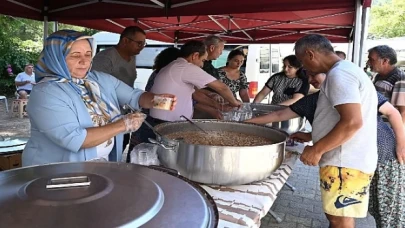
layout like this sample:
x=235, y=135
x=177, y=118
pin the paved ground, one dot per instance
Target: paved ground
x=303, y=207
x=298, y=209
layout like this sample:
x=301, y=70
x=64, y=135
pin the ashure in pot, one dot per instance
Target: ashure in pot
x=222, y=165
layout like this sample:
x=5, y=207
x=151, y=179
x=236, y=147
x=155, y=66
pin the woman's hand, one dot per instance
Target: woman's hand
x=401, y=153
x=133, y=121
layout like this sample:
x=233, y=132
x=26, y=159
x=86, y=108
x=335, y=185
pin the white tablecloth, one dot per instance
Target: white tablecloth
x=245, y=205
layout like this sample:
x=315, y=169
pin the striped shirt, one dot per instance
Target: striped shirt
x=284, y=87
x=392, y=86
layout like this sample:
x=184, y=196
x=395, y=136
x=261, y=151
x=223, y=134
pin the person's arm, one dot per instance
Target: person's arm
x=97, y=135
x=262, y=94
x=244, y=95
x=395, y=120
x=300, y=93
x=277, y=116
x=401, y=110
x=295, y=98
x=202, y=98
x=224, y=91
x=56, y=119
x=267, y=88
x=213, y=112
x=19, y=82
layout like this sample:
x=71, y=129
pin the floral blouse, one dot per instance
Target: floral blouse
x=234, y=85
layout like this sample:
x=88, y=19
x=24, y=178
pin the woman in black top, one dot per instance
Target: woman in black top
x=288, y=86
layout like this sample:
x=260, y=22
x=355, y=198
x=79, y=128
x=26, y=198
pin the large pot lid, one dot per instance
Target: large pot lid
x=10, y=144
x=95, y=194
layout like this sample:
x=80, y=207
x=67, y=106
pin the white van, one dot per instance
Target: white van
x=258, y=67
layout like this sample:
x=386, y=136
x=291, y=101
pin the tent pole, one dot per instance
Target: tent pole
x=45, y=28
x=364, y=33
x=55, y=26
x=350, y=51
x=357, y=34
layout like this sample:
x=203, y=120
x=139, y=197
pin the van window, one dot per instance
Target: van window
x=264, y=59
x=146, y=58
x=221, y=61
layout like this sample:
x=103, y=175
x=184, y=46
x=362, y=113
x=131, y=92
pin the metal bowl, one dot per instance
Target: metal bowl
x=221, y=165
x=289, y=126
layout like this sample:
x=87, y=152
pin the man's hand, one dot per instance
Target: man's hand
x=401, y=154
x=310, y=156
x=301, y=137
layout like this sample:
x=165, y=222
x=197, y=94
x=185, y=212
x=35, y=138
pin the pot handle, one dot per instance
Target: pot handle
x=68, y=182
x=153, y=141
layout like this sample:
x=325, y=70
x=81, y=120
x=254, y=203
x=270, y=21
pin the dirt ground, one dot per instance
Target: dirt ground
x=12, y=126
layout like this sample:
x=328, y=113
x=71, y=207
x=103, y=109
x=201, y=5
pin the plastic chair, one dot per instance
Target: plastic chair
x=5, y=101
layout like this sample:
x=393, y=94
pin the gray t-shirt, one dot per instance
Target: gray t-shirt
x=109, y=61
x=346, y=83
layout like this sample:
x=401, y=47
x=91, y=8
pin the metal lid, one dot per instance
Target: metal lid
x=93, y=194
x=11, y=144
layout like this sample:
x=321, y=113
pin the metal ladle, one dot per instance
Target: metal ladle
x=194, y=124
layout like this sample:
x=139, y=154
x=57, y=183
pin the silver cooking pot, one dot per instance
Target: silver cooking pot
x=222, y=165
x=289, y=126
x=102, y=194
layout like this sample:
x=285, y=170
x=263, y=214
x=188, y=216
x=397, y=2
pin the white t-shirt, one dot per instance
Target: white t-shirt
x=179, y=78
x=22, y=77
x=347, y=83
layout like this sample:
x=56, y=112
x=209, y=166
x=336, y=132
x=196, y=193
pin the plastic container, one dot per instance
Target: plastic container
x=164, y=103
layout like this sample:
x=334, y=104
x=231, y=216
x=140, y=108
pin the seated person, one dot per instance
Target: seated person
x=24, y=81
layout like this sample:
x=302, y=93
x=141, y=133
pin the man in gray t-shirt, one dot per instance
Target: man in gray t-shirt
x=119, y=61
x=344, y=132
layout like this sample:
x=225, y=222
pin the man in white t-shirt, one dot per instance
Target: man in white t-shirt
x=344, y=131
x=24, y=81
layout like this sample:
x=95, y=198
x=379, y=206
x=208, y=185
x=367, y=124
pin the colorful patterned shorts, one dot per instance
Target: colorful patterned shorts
x=345, y=192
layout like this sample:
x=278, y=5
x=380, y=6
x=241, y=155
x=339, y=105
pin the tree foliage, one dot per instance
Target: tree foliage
x=387, y=19
x=21, y=42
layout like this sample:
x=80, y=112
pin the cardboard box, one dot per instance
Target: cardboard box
x=10, y=161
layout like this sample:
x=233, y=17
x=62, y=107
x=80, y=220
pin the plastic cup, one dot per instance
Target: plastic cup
x=164, y=103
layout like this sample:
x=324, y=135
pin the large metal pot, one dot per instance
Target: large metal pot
x=289, y=126
x=221, y=165
x=102, y=194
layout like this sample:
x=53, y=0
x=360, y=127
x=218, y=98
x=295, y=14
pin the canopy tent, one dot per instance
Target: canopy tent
x=258, y=21
x=254, y=21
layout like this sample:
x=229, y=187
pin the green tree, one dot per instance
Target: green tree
x=21, y=42
x=387, y=19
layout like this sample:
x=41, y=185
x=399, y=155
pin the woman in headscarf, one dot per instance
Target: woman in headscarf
x=75, y=113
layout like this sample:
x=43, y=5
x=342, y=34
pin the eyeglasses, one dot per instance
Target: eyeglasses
x=139, y=43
